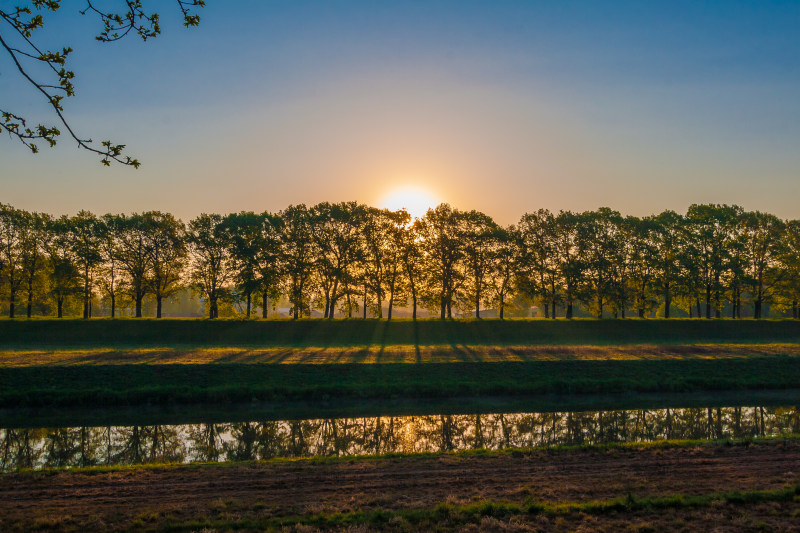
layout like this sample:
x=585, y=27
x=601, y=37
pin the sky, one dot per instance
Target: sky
x=504, y=107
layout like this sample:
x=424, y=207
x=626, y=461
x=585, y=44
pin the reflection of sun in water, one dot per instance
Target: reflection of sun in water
x=415, y=200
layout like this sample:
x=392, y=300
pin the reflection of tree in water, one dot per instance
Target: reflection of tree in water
x=150, y=444
x=205, y=441
x=73, y=447
x=243, y=445
x=20, y=448
x=33, y=448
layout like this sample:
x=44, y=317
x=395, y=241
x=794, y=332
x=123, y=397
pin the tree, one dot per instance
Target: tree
x=210, y=263
x=63, y=274
x=667, y=232
x=395, y=252
x=24, y=21
x=381, y=251
x=412, y=261
x=166, y=250
x=504, y=258
x=442, y=246
x=789, y=264
x=268, y=259
x=763, y=239
x=599, y=245
x=109, y=242
x=243, y=235
x=34, y=241
x=12, y=227
x=710, y=226
x=537, y=269
x=298, y=255
x=84, y=235
x=568, y=249
x=336, y=232
x=479, y=239
x=134, y=256
x=639, y=252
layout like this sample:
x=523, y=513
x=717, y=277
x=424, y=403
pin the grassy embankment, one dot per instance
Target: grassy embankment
x=134, y=362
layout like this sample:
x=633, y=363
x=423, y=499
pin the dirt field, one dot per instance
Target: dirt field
x=171, y=496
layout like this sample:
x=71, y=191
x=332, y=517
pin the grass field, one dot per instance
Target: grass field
x=166, y=383
x=131, y=362
x=284, y=333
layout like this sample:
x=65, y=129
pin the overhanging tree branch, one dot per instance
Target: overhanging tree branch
x=23, y=22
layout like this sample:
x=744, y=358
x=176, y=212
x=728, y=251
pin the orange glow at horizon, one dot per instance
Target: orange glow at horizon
x=413, y=199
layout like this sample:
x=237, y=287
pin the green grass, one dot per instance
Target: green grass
x=451, y=516
x=20, y=333
x=91, y=380
x=98, y=385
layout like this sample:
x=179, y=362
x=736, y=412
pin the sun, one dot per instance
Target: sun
x=415, y=200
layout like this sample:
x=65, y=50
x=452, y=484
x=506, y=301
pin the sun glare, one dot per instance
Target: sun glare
x=413, y=199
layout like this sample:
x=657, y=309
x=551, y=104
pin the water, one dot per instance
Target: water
x=125, y=445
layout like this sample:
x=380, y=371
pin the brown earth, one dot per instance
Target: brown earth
x=387, y=354
x=150, y=497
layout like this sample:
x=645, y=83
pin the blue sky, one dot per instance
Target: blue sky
x=504, y=107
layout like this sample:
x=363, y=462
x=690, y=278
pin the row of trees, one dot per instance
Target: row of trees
x=348, y=259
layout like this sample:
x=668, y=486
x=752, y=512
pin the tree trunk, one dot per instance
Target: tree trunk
x=667, y=300
x=708, y=301
x=478, y=301
x=249, y=301
x=158, y=306
x=391, y=302
x=443, y=309
x=264, y=304
x=794, y=308
x=699, y=314
x=757, y=308
x=139, y=297
x=29, y=308
x=413, y=305
x=569, y=310
x=11, y=298
x=86, y=292
x=60, y=305
x=502, y=305
x=113, y=305
x=365, y=301
x=546, y=309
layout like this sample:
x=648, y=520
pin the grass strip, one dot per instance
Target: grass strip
x=454, y=516
x=195, y=332
x=89, y=385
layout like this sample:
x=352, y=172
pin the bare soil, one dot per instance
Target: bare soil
x=148, y=498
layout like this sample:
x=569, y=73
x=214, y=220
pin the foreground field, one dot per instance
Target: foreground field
x=671, y=486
